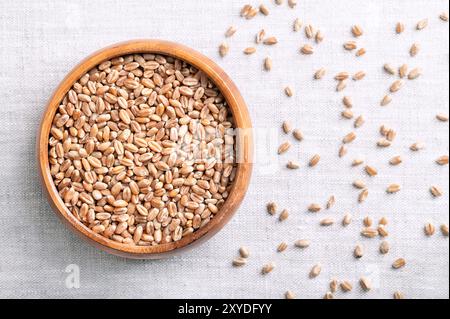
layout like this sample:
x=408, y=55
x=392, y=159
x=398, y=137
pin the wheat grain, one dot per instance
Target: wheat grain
x=302, y=243
x=230, y=31
x=268, y=63
x=442, y=160
x=314, y=208
x=223, y=49
x=399, y=263
x=284, y=147
x=436, y=191
x=320, y=73
x=422, y=24
x=357, y=31
x=314, y=160
x=264, y=10
x=399, y=27
x=365, y=283
x=414, y=50
x=429, y=229
x=315, y=271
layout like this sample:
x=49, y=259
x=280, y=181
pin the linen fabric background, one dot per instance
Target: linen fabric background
x=41, y=41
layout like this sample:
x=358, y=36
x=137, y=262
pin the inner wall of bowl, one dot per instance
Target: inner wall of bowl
x=230, y=203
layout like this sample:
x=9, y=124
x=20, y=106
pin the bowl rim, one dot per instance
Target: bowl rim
x=240, y=115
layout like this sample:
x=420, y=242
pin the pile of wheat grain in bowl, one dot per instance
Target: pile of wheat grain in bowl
x=141, y=149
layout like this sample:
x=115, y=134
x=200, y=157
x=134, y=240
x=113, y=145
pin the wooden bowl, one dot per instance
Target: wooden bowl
x=244, y=144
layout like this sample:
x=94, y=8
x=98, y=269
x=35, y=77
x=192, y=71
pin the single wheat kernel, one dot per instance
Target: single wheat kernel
x=293, y=165
x=360, y=120
x=359, y=75
x=328, y=295
x=389, y=69
x=371, y=171
x=289, y=91
x=260, y=36
x=350, y=137
x=357, y=161
x=249, y=50
x=287, y=127
x=365, y=283
x=282, y=247
x=363, y=195
x=368, y=221
x=284, y=215
x=442, y=117
x=396, y=86
x=414, y=73
x=309, y=31
x=383, y=143
x=403, y=70
x=284, y=147
x=270, y=41
x=384, y=247
x=267, y=268
x=342, y=76
x=341, y=85
x=422, y=24
x=360, y=52
x=386, y=100
x=383, y=221
x=268, y=64
x=334, y=285
x=327, y=222
x=357, y=31
x=347, y=113
x=442, y=160
x=398, y=295
x=223, y=49
x=396, y=160
x=239, y=261
x=298, y=135
x=350, y=45
x=436, y=191
x=331, y=201
x=429, y=229
x=382, y=231
x=347, y=220
x=289, y=295
x=417, y=146
x=444, y=230
x=272, y=208
x=315, y=271
x=358, y=252
x=414, y=50
x=346, y=286
x=307, y=49
x=264, y=10
x=444, y=16
x=320, y=73
x=369, y=232
x=399, y=28
x=314, y=160
x=347, y=101
x=360, y=184
x=342, y=151
x=297, y=25
x=230, y=31
x=302, y=243
x=393, y=188
x=399, y=263
x=244, y=252
x=319, y=36
x=314, y=208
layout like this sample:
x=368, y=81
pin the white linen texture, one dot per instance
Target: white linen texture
x=41, y=41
